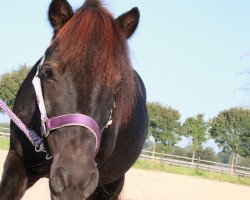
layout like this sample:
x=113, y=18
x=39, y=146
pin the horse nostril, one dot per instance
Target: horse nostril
x=90, y=185
x=59, y=180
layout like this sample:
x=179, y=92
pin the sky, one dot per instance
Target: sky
x=190, y=54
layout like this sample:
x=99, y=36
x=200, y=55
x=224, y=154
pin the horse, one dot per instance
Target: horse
x=85, y=70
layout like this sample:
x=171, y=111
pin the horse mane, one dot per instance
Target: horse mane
x=92, y=41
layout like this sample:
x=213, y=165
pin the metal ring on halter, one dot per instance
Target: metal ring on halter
x=44, y=130
x=48, y=157
x=40, y=149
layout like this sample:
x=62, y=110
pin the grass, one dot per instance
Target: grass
x=5, y=125
x=4, y=143
x=150, y=165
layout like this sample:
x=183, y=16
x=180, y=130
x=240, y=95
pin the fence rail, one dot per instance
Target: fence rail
x=198, y=163
x=4, y=132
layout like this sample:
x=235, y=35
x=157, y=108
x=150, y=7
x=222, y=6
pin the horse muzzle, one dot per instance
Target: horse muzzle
x=73, y=181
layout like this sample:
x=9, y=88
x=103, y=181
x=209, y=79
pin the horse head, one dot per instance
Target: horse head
x=86, y=70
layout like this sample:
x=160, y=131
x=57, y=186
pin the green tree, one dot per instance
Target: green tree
x=244, y=162
x=10, y=83
x=164, y=124
x=207, y=153
x=174, y=150
x=179, y=151
x=231, y=130
x=225, y=156
x=195, y=128
x=159, y=148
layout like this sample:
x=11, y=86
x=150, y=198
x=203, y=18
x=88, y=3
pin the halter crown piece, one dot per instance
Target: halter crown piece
x=49, y=124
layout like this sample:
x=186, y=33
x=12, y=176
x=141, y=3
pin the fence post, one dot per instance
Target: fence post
x=198, y=164
x=153, y=154
x=162, y=155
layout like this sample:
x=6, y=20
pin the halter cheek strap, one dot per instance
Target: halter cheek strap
x=39, y=95
x=48, y=124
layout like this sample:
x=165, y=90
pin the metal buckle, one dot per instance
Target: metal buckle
x=48, y=157
x=40, y=149
x=44, y=130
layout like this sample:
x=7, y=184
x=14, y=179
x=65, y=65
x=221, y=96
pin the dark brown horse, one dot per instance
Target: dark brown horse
x=86, y=70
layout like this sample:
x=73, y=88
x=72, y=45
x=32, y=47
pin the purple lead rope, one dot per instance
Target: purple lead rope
x=30, y=134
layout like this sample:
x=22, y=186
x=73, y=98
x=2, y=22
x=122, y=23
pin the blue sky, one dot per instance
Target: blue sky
x=187, y=52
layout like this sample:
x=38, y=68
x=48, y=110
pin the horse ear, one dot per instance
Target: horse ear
x=60, y=12
x=129, y=21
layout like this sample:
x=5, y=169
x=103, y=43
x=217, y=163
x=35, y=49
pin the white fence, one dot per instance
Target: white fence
x=4, y=132
x=198, y=164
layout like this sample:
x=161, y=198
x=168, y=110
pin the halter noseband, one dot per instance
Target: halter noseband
x=49, y=124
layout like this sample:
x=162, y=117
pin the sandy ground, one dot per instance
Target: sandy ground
x=148, y=185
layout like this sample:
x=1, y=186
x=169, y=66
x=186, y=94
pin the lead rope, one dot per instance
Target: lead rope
x=30, y=134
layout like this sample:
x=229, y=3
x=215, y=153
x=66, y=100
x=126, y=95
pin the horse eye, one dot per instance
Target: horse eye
x=46, y=73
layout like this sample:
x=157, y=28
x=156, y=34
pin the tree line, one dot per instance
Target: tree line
x=230, y=129
x=10, y=83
